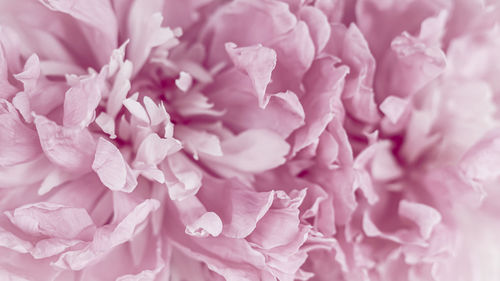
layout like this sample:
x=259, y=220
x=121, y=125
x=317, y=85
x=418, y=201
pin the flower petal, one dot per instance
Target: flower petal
x=69, y=148
x=111, y=168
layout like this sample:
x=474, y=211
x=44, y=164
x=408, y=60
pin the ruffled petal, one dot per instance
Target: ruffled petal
x=258, y=63
x=106, y=238
x=99, y=22
x=112, y=169
x=251, y=151
x=51, y=219
x=69, y=148
x=19, y=143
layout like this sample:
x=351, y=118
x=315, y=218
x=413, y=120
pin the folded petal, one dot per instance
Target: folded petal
x=50, y=247
x=208, y=223
x=271, y=19
x=145, y=32
x=156, y=112
x=358, y=95
x=82, y=100
x=184, y=81
x=196, y=141
x=244, y=207
x=181, y=178
x=393, y=107
x=424, y=216
x=233, y=92
x=107, y=124
x=409, y=66
x=31, y=73
x=280, y=224
x=318, y=25
x=120, y=87
x=295, y=52
x=12, y=242
x=324, y=83
x=69, y=148
x=137, y=110
x=18, y=143
x=107, y=237
x=6, y=89
x=480, y=162
x=258, y=63
x=111, y=168
x=53, y=220
x=99, y=23
x=251, y=151
x=153, y=149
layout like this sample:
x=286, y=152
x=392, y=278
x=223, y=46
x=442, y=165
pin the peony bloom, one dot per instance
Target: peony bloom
x=249, y=140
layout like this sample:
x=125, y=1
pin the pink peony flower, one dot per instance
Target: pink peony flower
x=249, y=140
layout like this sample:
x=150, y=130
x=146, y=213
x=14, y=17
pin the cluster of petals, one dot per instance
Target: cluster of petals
x=249, y=140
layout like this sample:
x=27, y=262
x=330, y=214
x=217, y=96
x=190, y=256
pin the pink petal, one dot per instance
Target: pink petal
x=281, y=223
x=424, y=216
x=107, y=238
x=18, y=143
x=251, y=151
x=244, y=208
x=50, y=247
x=273, y=18
x=393, y=107
x=325, y=83
x=318, y=24
x=136, y=109
x=410, y=65
x=120, y=89
x=107, y=124
x=11, y=241
x=99, y=22
x=208, y=223
x=358, y=95
x=295, y=52
x=480, y=162
x=6, y=89
x=28, y=173
x=22, y=103
x=81, y=101
x=258, y=62
x=31, y=73
x=51, y=219
x=157, y=113
x=111, y=168
x=184, y=81
x=145, y=32
x=234, y=92
x=181, y=179
x=154, y=149
x=195, y=141
x=194, y=104
x=69, y=148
